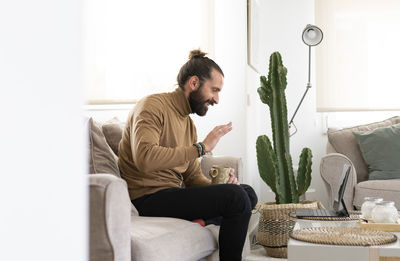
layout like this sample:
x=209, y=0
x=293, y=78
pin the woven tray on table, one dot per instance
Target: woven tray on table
x=343, y=236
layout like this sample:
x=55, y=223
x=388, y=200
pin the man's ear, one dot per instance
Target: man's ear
x=194, y=83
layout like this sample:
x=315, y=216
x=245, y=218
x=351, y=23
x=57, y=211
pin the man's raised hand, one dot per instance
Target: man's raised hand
x=213, y=137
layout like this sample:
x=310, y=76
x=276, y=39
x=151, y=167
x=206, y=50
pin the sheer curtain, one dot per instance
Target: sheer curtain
x=357, y=63
x=135, y=48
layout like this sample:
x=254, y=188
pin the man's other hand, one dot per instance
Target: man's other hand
x=213, y=137
x=232, y=178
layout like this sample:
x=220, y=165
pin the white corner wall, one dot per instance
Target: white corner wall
x=43, y=189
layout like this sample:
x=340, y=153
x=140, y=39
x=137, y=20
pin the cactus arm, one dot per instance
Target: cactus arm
x=290, y=180
x=304, y=171
x=264, y=91
x=266, y=160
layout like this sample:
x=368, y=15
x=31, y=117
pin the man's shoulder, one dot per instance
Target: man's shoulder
x=157, y=98
x=154, y=102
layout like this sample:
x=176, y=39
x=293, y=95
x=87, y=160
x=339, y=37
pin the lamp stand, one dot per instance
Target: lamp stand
x=307, y=87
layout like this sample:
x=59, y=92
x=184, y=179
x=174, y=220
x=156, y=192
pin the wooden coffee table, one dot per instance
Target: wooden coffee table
x=304, y=251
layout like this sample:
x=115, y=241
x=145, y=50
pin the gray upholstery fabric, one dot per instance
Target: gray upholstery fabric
x=331, y=168
x=112, y=131
x=330, y=148
x=169, y=239
x=386, y=189
x=344, y=142
x=101, y=158
x=110, y=214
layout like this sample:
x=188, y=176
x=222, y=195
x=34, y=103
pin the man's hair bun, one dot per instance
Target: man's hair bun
x=196, y=54
x=198, y=65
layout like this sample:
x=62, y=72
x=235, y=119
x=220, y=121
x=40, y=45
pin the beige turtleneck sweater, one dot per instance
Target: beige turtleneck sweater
x=156, y=151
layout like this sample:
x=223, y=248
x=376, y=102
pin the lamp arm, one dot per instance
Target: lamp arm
x=307, y=88
x=298, y=106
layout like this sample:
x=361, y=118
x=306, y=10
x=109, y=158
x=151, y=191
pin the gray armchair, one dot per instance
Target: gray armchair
x=343, y=148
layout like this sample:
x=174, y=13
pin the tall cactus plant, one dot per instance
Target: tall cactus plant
x=275, y=164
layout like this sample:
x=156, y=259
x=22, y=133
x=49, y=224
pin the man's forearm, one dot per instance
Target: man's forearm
x=151, y=157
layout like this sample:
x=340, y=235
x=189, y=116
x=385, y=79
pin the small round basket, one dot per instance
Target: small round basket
x=275, y=224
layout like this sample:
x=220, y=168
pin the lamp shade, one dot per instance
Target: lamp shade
x=312, y=35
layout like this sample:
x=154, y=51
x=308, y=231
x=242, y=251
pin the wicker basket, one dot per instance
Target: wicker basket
x=275, y=224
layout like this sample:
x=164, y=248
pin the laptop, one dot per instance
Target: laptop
x=336, y=212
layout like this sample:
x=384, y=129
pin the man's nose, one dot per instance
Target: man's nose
x=216, y=99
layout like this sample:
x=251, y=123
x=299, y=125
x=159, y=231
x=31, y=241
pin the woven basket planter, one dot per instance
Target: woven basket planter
x=275, y=224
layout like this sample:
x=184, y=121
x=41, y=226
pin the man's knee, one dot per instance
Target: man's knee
x=239, y=198
x=251, y=194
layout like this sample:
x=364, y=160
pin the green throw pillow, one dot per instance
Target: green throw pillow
x=381, y=151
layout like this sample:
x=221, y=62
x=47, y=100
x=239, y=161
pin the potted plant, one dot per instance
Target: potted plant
x=275, y=165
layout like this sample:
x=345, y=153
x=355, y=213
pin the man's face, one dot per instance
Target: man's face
x=206, y=94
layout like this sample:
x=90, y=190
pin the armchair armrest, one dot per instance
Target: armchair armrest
x=109, y=218
x=233, y=162
x=331, y=169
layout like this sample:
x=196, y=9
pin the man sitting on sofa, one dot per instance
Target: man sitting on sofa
x=158, y=158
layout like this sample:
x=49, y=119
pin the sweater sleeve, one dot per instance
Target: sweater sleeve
x=147, y=154
x=194, y=176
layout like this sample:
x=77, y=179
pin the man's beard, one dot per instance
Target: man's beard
x=198, y=103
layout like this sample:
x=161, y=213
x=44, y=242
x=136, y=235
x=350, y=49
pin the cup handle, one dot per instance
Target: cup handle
x=213, y=172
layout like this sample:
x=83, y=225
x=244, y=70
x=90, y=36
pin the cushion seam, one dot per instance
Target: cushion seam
x=379, y=189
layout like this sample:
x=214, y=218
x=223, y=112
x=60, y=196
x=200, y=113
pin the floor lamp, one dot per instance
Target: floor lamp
x=312, y=36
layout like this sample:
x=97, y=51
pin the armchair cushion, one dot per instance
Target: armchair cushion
x=164, y=239
x=386, y=189
x=381, y=149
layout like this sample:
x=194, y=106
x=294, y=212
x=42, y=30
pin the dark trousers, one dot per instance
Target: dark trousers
x=228, y=204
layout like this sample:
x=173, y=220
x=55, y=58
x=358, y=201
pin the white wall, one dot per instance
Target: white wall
x=43, y=189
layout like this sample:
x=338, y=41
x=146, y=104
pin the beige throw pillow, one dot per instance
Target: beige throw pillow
x=113, y=130
x=101, y=158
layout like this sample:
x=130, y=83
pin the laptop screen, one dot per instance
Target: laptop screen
x=342, y=188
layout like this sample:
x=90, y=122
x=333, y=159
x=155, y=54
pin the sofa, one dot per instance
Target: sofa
x=343, y=148
x=118, y=232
